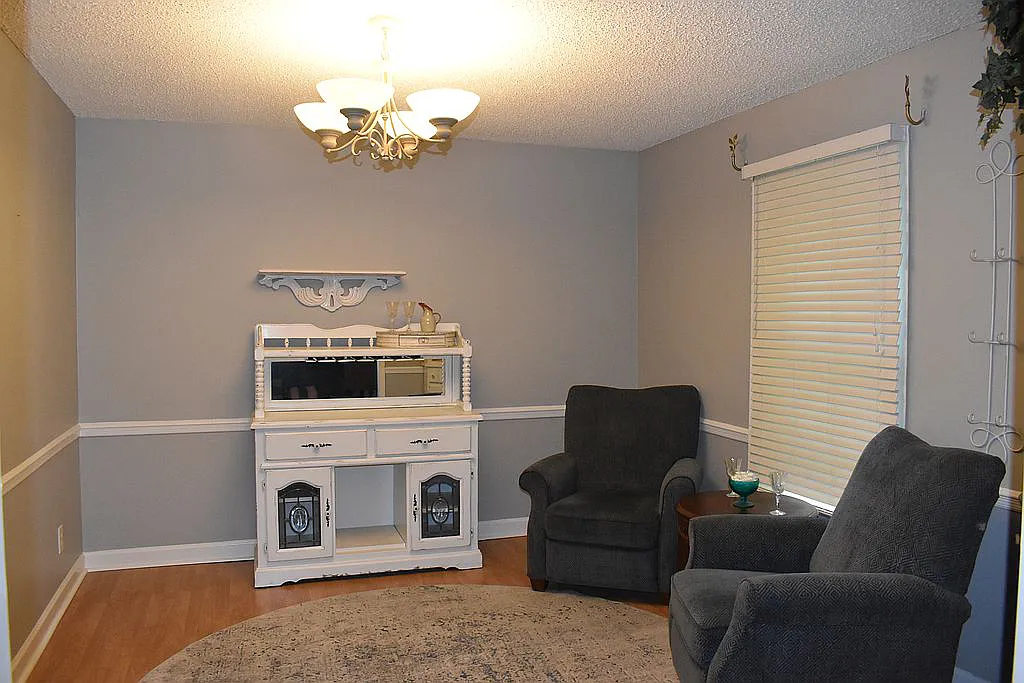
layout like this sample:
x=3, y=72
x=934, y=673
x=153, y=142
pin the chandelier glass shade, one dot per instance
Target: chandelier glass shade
x=359, y=114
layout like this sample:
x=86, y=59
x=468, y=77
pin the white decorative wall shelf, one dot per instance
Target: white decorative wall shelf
x=994, y=428
x=329, y=289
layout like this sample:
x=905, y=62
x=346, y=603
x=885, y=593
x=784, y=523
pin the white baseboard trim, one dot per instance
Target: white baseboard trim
x=166, y=555
x=28, y=654
x=24, y=470
x=235, y=551
x=502, y=528
x=961, y=676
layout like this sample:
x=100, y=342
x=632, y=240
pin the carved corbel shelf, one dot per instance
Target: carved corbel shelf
x=329, y=289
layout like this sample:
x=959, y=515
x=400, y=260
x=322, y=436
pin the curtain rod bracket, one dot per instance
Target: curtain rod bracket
x=906, y=108
x=733, y=143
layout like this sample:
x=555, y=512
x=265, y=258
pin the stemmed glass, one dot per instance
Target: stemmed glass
x=392, y=308
x=778, y=486
x=745, y=484
x=410, y=308
x=731, y=465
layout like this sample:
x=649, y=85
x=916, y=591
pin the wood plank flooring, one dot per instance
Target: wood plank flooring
x=123, y=623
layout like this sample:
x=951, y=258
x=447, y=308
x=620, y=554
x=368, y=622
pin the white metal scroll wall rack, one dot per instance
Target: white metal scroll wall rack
x=994, y=428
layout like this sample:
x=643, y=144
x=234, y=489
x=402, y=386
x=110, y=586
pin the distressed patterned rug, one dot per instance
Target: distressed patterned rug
x=435, y=633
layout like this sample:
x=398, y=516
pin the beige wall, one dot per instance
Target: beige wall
x=694, y=262
x=38, y=365
x=32, y=511
x=531, y=248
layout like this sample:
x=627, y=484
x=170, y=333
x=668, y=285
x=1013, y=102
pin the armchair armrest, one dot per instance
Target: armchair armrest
x=546, y=480
x=841, y=627
x=549, y=479
x=682, y=479
x=754, y=542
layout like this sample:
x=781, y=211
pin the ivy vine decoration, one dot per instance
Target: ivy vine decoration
x=1002, y=84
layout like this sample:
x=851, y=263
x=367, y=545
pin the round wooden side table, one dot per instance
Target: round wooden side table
x=717, y=503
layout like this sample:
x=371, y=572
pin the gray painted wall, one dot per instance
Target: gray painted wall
x=694, y=255
x=38, y=365
x=531, y=248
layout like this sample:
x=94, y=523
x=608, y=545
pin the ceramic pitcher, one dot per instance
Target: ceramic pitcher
x=430, y=319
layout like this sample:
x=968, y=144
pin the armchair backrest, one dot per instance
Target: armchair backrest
x=630, y=437
x=912, y=508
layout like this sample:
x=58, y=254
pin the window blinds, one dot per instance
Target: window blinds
x=828, y=320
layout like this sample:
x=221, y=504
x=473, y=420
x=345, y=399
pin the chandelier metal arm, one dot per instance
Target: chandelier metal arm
x=383, y=132
x=375, y=136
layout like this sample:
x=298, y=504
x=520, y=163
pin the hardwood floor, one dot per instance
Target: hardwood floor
x=123, y=623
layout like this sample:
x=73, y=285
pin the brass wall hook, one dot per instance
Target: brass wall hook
x=906, y=109
x=733, y=142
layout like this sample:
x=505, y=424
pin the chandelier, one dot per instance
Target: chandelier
x=360, y=114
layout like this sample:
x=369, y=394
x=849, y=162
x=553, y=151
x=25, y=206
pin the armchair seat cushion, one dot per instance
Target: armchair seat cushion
x=701, y=607
x=623, y=518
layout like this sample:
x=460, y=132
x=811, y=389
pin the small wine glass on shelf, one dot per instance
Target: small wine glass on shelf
x=731, y=466
x=392, y=309
x=778, y=486
x=409, y=308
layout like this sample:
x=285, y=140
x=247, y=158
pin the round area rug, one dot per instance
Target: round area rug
x=435, y=633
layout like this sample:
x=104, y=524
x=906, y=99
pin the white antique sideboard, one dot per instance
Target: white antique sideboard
x=366, y=455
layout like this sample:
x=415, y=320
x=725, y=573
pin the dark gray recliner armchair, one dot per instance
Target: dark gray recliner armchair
x=875, y=594
x=602, y=513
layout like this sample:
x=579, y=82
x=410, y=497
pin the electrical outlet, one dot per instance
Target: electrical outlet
x=60, y=539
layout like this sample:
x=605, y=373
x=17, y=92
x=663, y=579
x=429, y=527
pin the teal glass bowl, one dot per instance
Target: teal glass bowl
x=743, y=488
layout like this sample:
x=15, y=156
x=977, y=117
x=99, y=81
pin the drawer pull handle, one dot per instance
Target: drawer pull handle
x=414, y=507
x=316, y=446
x=424, y=441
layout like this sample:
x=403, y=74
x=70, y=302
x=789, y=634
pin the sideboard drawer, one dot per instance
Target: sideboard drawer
x=423, y=440
x=316, y=444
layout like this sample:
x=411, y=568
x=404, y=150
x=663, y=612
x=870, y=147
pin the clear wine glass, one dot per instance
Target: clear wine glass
x=731, y=466
x=410, y=308
x=778, y=486
x=392, y=308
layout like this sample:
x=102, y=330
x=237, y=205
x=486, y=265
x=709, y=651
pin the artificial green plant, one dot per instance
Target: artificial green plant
x=1002, y=84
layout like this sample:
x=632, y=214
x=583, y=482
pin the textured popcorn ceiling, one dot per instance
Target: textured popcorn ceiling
x=589, y=73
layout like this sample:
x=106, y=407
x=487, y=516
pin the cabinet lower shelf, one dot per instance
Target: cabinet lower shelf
x=364, y=539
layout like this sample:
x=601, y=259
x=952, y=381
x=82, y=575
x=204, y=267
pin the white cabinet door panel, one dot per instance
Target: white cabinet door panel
x=299, y=513
x=439, y=504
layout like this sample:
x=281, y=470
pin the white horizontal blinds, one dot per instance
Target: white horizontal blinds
x=828, y=315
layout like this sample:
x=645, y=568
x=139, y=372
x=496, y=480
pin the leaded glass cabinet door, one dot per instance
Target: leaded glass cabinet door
x=439, y=508
x=299, y=513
